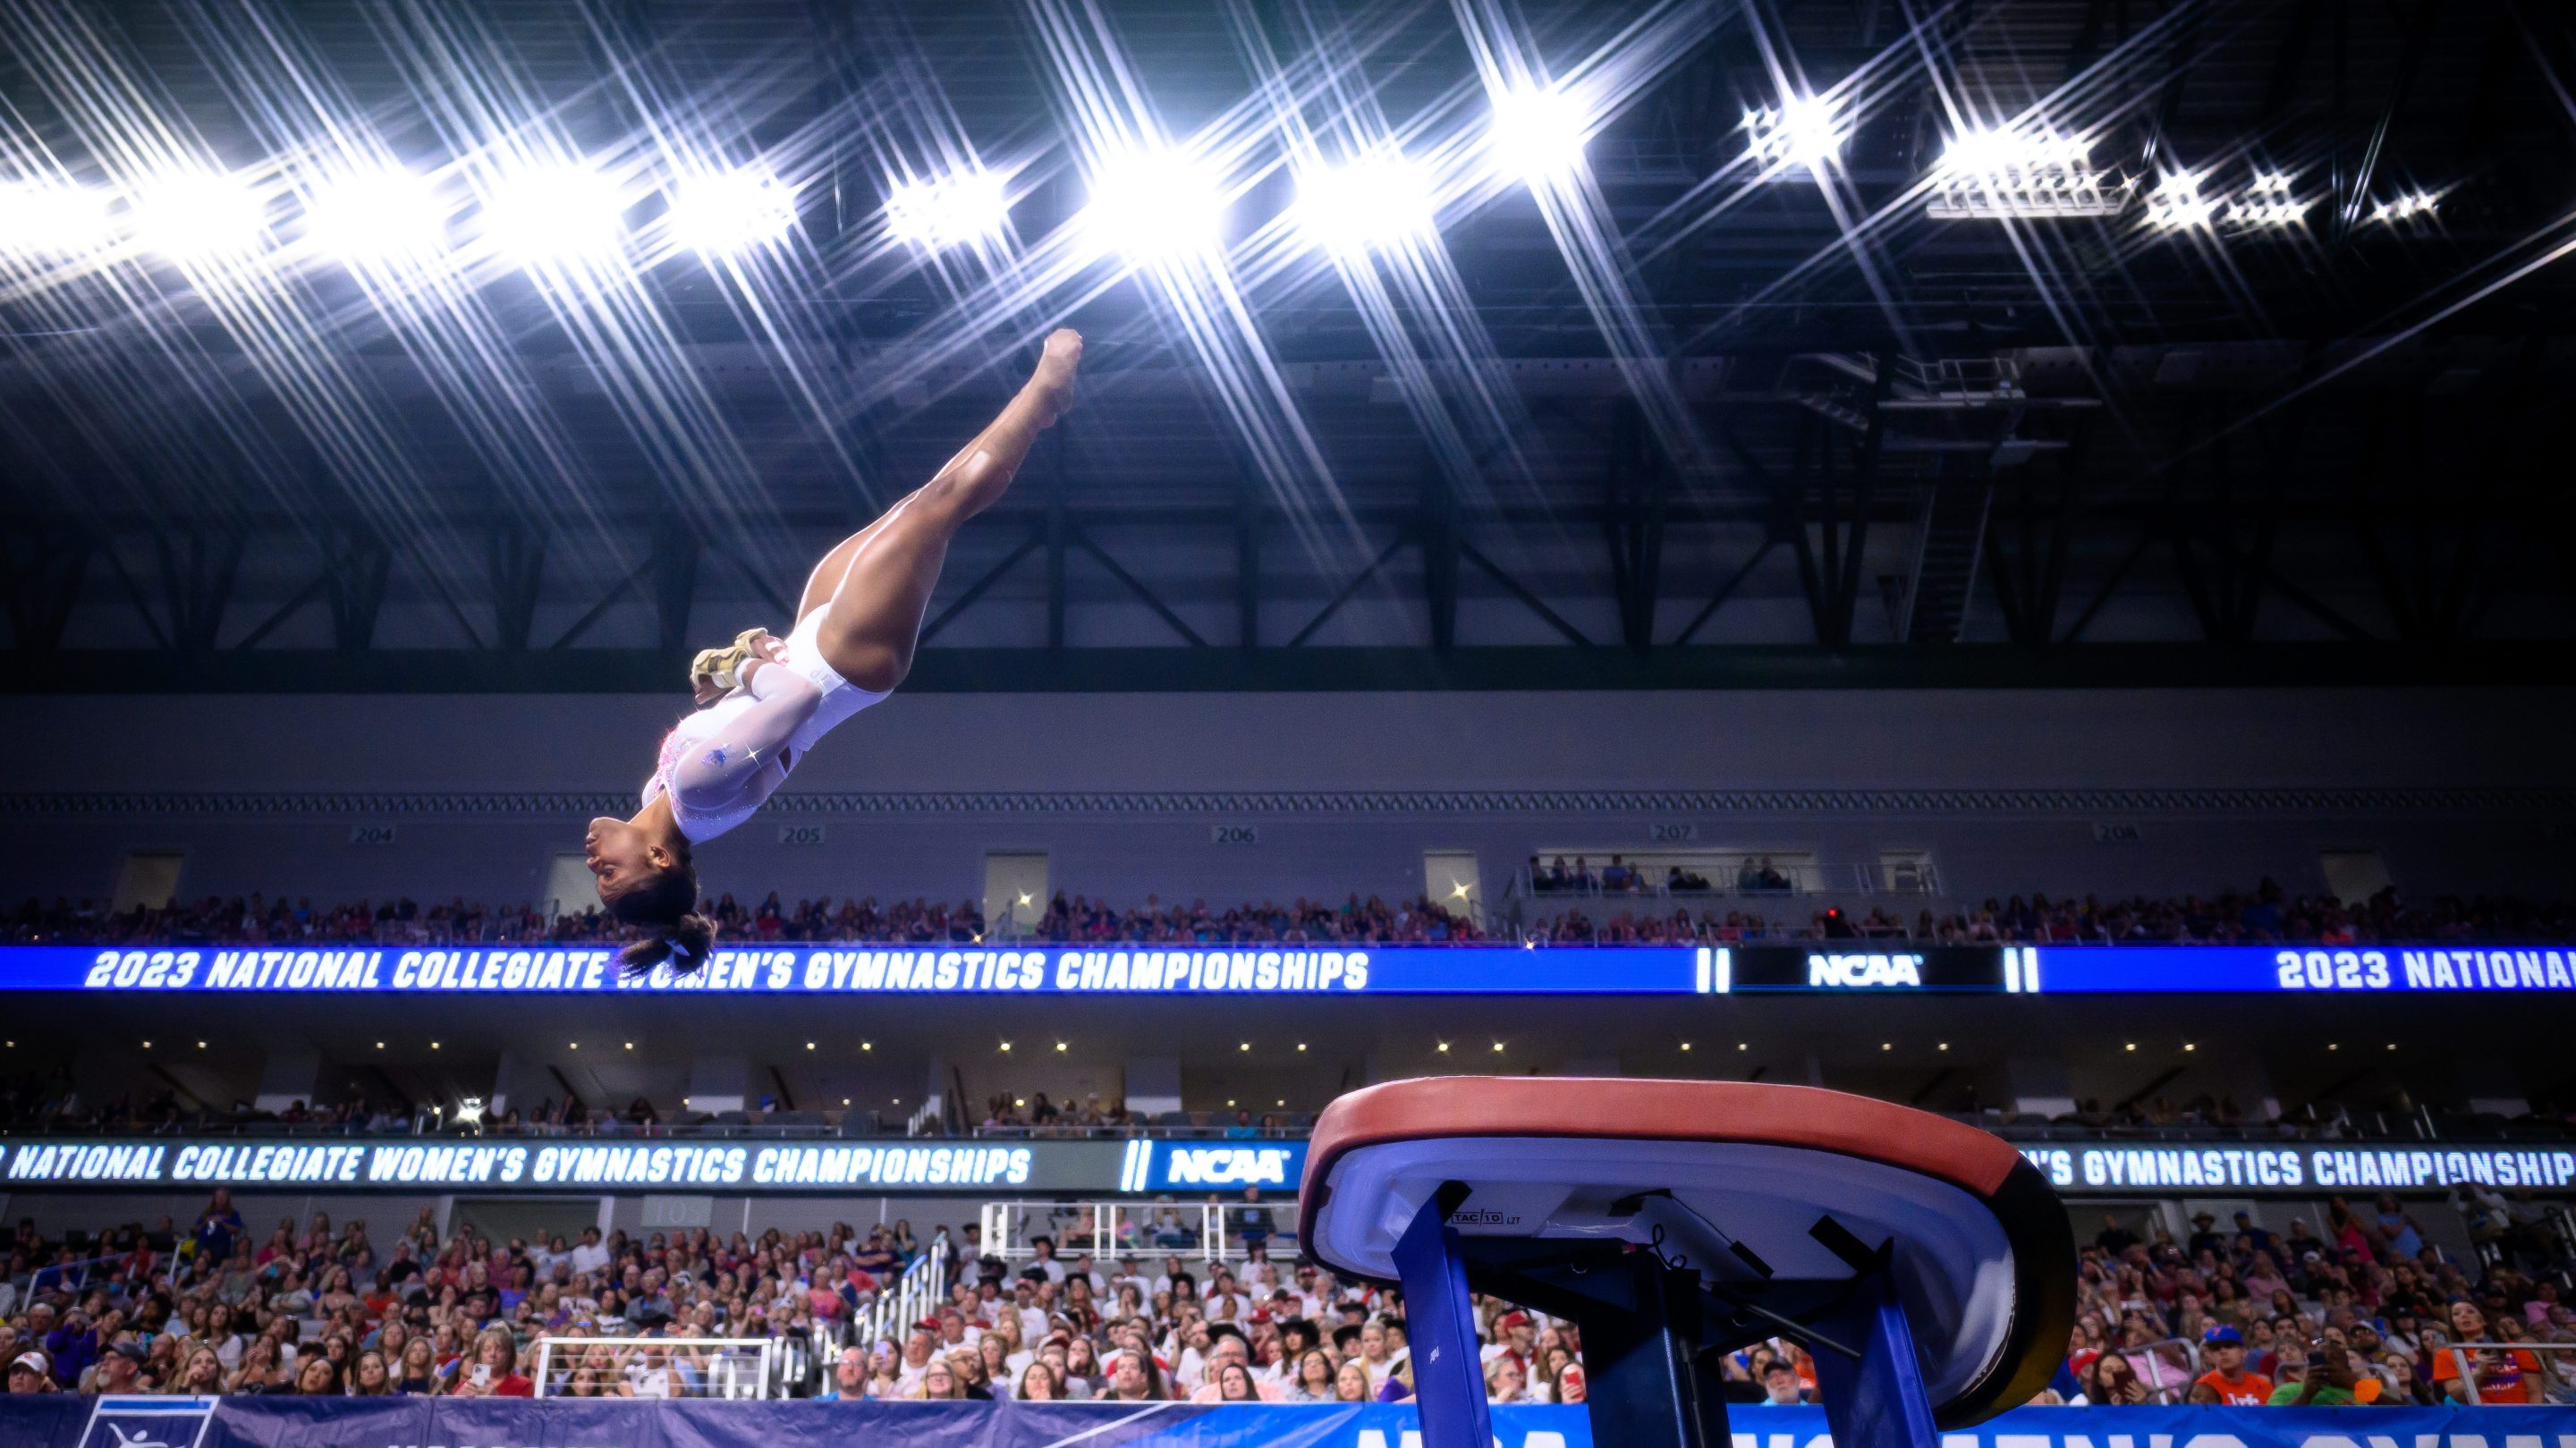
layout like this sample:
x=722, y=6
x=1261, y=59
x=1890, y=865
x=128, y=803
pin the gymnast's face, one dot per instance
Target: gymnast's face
x=621, y=856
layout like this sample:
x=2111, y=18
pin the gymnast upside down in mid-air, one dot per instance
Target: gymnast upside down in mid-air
x=763, y=702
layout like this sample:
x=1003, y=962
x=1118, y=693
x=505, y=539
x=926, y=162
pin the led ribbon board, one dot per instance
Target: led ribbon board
x=1839, y=967
x=1189, y=1167
x=984, y=1166
x=2306, y=969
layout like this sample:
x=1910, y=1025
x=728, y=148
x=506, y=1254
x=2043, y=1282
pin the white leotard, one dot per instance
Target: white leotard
x=721, y=763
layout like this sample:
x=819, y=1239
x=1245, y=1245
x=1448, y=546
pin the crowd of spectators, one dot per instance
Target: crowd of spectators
x=2265, y=914
x=1559, y=875
x=2359, y=1308
x=258, y=920
x=319, y=1310
x=52, y=1105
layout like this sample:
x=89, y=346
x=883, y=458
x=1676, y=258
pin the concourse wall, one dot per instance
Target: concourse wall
x=2162, y=791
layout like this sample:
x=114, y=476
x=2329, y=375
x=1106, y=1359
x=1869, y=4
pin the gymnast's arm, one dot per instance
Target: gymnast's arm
x=749, y=751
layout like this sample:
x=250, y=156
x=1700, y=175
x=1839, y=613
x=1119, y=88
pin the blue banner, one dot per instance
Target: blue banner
x=1826, y=968
x=2304, y=970
x=64, y=1421
x=1317, y=970
x=1132, y=1165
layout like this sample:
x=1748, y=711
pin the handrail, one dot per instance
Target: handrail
x=923, y=1286
x=37, y=1280
x=733, y=1385
x=2191, y=1365
x=1121, y=1228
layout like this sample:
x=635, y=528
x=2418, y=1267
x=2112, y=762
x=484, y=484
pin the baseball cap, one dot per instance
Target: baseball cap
x=2223, y=1334
x=33, y=1362
x=133, y=1351
x=1513, y=1319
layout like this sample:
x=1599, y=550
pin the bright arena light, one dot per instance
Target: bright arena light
x=1538, y=135
x=49, y=219
x=2406, y=207
x=198, y=216
x=377, y=216
x=1374, y=203
x=1803, y=131
x=2177, y=205
x=953, y=210
x=2270, y=202
x=717, y=213
x=2022, y=174
x=555, y=213
x=1148, y=204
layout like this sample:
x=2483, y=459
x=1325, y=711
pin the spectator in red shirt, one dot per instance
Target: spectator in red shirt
x=2227, y=1376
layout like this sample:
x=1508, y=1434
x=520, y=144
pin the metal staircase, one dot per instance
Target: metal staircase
x=1949, y=542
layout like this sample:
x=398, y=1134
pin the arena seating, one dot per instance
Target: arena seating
x=2263, y=914
x=220, y=1305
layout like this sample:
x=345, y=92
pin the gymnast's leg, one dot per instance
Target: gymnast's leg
x=875, y=608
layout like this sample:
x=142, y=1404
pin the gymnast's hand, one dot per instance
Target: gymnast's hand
x=719, y=672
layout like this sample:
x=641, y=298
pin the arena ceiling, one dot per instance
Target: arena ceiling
x=1713, y=400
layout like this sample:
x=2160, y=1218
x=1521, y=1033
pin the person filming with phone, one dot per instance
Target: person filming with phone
x=493, y=1371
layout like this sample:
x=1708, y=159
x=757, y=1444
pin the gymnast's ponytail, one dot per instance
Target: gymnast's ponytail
x=685, y=947
x=665, y=904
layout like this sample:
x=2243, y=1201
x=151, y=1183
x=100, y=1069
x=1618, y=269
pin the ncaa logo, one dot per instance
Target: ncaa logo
x=1843, y=972
x=1227, y=1166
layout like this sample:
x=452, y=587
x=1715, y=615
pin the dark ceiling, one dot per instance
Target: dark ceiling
x=1668, y=422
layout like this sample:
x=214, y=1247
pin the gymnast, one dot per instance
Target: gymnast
x=764, y=701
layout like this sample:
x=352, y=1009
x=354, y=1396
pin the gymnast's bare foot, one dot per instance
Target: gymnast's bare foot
x=1052, y=383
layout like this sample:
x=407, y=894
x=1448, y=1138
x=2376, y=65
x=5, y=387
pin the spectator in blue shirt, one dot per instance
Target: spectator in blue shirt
x=849, y=1377
x=2254, y=1238
x=218, y=1227
x=72, y=1347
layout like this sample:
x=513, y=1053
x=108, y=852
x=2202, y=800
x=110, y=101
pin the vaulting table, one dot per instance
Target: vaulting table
x=1926, y=1266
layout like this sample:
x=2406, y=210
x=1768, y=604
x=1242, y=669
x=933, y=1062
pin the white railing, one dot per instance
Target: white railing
x=2552, y=1379
x=2172, y=1365
x=1911, y=879
x=655, y=1367
x=918, y=1292
x=1101, y=1230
